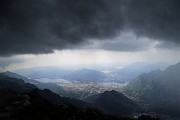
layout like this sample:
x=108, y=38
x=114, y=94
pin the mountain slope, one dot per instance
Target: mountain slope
x=43, y=72
x=160, y=89
x=19, y=86
x=16, y=85
x=15, y=75
x=86, y=75
x=113, y=102
x=37, y=104
x=16, y=106
x=52, y=86
x=133, y=70
x=20, y=100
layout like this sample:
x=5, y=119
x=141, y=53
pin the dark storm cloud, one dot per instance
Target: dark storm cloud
x=157, y=19
x=126, y=41
x=132, y=46
x=41, y=26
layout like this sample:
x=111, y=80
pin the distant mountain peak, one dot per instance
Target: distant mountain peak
x=86, y=75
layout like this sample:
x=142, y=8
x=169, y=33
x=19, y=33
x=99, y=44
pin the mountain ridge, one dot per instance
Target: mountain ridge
x=86, y=75
x=113, y=102
x=159, y=89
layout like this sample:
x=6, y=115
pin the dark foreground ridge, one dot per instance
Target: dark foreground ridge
x=24, y=101
x=16, y=106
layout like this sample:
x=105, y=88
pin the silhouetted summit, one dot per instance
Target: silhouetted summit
x=113, y=102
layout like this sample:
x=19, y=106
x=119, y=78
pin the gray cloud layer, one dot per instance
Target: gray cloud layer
x=41, y=26
x=126, y=41
x=158, y=19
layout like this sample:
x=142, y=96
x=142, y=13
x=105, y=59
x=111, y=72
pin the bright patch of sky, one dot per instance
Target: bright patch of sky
x=85, y=58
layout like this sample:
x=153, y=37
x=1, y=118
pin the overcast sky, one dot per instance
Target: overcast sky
x=88, y=32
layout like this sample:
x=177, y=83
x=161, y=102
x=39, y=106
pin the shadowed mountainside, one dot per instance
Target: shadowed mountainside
x=20, y=101
x=159, y=89
x=16, y=106
x=113, y=102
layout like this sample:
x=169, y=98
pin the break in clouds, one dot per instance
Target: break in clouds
x=42, y=26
